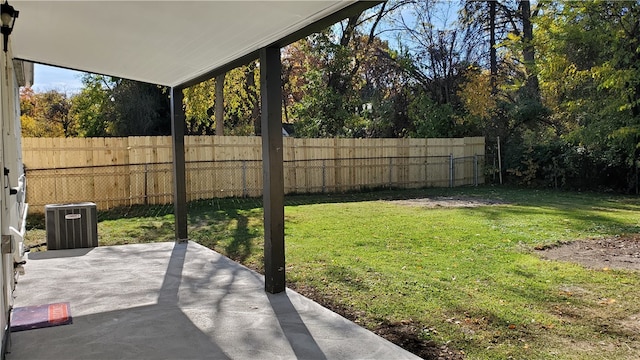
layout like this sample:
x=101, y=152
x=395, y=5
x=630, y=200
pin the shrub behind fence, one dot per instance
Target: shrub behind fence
x=114, y=172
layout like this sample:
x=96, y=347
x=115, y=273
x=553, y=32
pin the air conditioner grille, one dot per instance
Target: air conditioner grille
x=71, y=226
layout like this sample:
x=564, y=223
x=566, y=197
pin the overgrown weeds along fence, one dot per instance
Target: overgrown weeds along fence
x=116, y=172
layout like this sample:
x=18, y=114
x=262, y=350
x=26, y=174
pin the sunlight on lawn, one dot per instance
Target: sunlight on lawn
x=464, y=276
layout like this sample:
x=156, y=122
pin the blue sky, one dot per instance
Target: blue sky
x=53, y=78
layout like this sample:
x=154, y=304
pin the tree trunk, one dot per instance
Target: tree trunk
x=252, y=91
x=493, y=57
x=219, y=105
x=337, y=80
x=528, y=52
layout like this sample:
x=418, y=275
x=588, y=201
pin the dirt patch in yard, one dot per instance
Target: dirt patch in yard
x=616, y=253
x=448, y=202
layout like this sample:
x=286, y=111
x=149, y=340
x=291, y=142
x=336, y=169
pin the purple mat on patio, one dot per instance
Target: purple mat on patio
x=40, y=316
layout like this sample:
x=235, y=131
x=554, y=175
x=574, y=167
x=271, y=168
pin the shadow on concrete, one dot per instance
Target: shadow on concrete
x=168, y=293
x=178, y=301
x=159, y=331
x=145, y=332
x=54, y=254
x=296, y=332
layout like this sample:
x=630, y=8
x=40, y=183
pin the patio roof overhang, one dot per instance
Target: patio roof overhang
x=171, y=43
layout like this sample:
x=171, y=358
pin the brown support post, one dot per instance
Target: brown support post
x=272, y=169
x=179, y=183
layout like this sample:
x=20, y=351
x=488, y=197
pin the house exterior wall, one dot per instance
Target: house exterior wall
x=12, y=191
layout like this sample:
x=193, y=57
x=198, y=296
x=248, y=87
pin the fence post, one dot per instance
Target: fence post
x=244, y=178
x=499, y=161
x=475, y=170
x=146, y=185
x=324, y=176
x=390, y=172
x=426, y=171
x=451, y=171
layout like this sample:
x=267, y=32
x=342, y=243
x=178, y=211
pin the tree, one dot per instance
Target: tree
x=27, y=107
x=328, y=106
x=219, y=104
x=242, y=100
x=93, y=107
x=478, y=96
x=435, y=49
x=55, y=108
x=109, y=106
x=46, y=114
x=141, y=109
x=528, y=51
x=495, y=19
x=198, y=100
x=27, y=101
x=590, y=78
x=342, y=78
x=239, y=108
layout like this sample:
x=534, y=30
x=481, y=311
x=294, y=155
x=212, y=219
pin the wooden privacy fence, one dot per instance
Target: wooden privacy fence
x=114, y=172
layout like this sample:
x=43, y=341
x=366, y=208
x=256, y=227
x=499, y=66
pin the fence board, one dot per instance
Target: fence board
x=137, y=170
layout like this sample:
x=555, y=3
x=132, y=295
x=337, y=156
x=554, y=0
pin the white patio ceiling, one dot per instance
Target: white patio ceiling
x=172, y=43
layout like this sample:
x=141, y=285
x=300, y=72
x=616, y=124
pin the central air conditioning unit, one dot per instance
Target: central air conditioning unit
x=71, y=226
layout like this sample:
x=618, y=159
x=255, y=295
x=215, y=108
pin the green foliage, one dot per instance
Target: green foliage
x=141, y=109
x=323, y=112
x=93, y=107
x=389, y=117
x=109, y=106
x=345, y=82
x=242, y=100
x=431, y=119
x=590, y=79
x=329, y=104
x=198, y=104
x=555, y=162
x=241, y=103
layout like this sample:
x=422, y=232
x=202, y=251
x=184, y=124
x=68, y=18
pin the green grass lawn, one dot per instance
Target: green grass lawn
x=466, y=277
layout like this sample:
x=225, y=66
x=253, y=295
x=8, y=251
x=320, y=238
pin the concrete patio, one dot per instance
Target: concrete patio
x=177, y=301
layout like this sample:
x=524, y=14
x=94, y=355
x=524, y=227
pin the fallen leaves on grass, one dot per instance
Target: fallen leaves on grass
x=606, y=301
